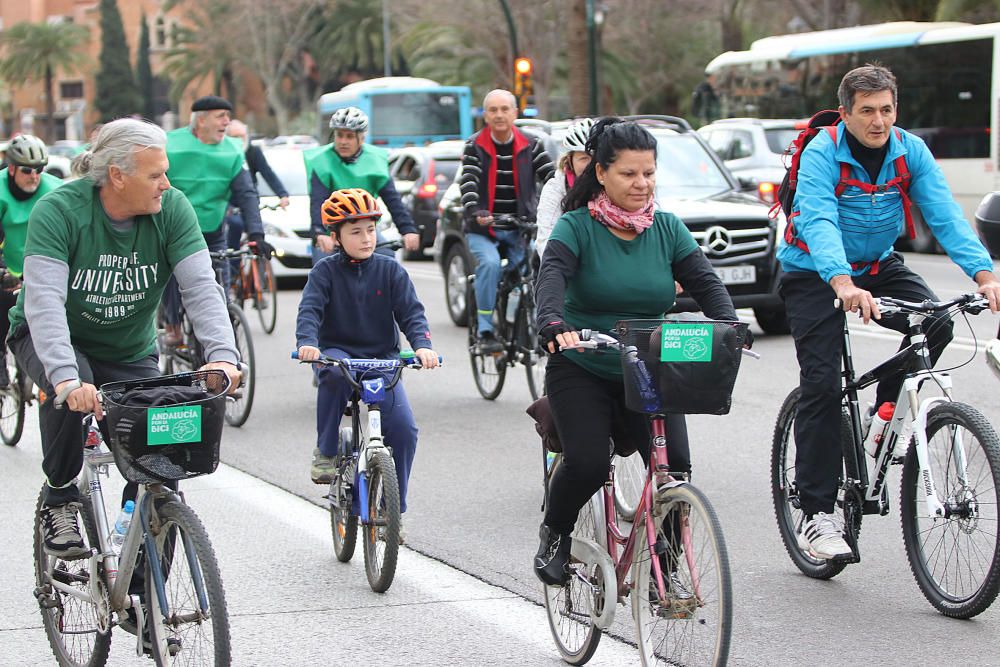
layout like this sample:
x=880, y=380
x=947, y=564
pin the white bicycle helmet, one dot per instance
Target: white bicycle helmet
x=26, y=150
x=349, y=118
x=577, y=134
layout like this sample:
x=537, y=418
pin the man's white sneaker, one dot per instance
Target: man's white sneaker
x=823, y=536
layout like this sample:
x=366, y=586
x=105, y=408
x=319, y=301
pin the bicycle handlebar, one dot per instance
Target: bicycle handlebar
x=505, y=222
x=348, y=365
x=887, y=305
x=595, y=340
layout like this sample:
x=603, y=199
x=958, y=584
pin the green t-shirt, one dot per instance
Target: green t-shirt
x=14, y=218
x=204, y=173
x=618, y=279
x=369, y=172
x=115, y=278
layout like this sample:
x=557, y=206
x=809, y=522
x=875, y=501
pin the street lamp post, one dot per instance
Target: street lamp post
x=595, y=17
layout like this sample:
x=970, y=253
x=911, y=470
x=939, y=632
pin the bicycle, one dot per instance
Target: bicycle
x=673, y=561
x=189, y=354
x=180, y=617
x=513, y=322
x=951, y=471
x=364, y=462
x=18, y=393
x=255, y=282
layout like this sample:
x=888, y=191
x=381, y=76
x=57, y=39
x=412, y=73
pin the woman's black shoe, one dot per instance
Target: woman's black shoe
x=552, y=557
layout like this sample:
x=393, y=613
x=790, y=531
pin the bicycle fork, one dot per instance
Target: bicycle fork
x=373, y=445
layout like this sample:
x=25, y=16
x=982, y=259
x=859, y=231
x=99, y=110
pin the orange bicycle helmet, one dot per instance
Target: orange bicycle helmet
x=348, y=205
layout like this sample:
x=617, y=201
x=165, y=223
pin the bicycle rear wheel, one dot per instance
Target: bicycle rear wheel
x=12, y=401
x=78, y=629
x=691, y=623
x=343, y=522
x=488, y=370
x=238, y=409
x=265, y=299
x=630, y=477
x=785, y=496
x=955, y=559
x=571, y=608
x=381, y=526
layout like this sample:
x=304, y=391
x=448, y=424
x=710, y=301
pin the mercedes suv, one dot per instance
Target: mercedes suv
x=732, y=227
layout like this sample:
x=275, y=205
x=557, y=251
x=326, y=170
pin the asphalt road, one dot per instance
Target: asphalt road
x=475, y=497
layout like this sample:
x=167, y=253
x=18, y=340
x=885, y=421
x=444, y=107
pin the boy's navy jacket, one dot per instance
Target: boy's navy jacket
x=356, y=306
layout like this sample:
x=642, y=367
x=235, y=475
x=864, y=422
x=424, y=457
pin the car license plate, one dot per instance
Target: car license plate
x=740, y=274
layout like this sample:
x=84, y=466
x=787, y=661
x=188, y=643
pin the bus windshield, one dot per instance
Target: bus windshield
x=416, y=114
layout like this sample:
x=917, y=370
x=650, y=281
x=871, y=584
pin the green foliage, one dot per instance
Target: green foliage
x=116, y=92
x=144, y=72
x=205, y=47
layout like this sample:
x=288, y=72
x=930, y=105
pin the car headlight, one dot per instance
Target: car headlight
x=274, y=230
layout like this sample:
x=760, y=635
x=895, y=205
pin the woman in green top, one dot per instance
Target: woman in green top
x=611, y=256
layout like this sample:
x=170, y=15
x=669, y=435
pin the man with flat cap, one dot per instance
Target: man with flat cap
x=209, y=168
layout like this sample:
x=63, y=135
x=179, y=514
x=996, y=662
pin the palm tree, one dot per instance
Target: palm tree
x=37, y=51
x=205, y=47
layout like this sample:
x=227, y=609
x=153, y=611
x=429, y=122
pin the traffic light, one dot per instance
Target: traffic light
x=523, y=87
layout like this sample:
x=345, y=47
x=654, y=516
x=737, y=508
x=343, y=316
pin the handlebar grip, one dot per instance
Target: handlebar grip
x=295, y=354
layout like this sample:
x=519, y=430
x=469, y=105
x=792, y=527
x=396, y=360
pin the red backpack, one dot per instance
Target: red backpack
x=827, y=120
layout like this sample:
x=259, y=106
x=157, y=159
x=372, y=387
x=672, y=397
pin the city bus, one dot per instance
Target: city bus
x=947, y=73
x=403, y=110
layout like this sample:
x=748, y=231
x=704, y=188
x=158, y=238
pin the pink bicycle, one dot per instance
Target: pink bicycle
x=672, y=560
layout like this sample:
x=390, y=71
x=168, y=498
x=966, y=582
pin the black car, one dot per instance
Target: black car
x=421, y=174
x=732, y=228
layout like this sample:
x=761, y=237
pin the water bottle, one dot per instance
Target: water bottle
x=513, y=299
x=879, y=427
x=644, y=382
x=121, y=526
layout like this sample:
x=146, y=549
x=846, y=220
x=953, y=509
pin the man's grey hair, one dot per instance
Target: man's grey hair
x=501, y=91
x=195, y=115
x=867, y=79
x=116, y=145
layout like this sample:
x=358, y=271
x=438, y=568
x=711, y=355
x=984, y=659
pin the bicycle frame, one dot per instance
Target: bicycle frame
x=371, y=392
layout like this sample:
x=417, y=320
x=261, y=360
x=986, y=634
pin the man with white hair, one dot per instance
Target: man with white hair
x=503, y=171
x=96, y=262
x=210, y=169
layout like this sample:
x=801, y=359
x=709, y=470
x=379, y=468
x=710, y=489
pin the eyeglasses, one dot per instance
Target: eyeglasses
x=30, y=170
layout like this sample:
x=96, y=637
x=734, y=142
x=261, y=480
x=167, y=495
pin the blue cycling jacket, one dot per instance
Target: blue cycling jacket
x=861, y=228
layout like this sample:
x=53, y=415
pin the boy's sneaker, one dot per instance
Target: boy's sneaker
x=61, y=531
x=323, y=468
x=823, y=537
x=552, y=557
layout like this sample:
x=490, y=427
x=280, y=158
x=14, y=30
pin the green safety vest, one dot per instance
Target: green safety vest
x=370, y=171
x=203, y=172
x=14, y=218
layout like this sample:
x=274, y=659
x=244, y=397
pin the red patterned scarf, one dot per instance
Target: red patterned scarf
x=609, y=214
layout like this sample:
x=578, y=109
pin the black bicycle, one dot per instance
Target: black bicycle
x=950, y=488
x=19, y=393
x=513, y=322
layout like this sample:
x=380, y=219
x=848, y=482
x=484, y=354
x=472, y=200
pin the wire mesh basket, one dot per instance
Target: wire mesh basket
x=686, y=367
x=166, y=428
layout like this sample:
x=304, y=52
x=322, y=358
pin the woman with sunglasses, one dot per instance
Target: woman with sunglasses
x=22, y=184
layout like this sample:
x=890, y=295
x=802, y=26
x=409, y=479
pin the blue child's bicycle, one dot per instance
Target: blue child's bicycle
x=365, y=469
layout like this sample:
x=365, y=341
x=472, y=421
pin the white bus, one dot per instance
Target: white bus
x=948, y=79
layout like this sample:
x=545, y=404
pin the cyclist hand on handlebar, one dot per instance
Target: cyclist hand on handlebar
x=428, y=357
x=989, y=287
x=853, y=299
x=484, y=218
x=309, y=353
x=326, y=243
x=411, y=241
x=232, y=371
x=260, y=247
x=82, y=399
x=558, y=333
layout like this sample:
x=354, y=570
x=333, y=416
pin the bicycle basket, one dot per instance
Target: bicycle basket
x=166, y=428
x=686, y=367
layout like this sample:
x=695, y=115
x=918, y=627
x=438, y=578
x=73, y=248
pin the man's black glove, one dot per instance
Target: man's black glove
x=548, y=333
x=260, y=247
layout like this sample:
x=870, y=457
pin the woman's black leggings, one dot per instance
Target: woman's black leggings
x=589, y=411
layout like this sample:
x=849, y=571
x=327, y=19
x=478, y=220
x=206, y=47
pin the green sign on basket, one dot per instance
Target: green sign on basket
x=686, y=342
x=171, y=426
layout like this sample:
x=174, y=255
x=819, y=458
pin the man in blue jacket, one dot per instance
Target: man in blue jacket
x=842, y=248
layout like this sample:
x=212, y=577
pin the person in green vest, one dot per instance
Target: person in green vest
x=96, y=262
x=22, y=184
x=349, y=163
x=209, y=168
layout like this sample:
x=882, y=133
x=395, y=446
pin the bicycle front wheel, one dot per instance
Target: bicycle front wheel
x=785, y=495
x=265, y=294
x=12, y=400
x=956, y=558
x=381, y=526
x=488, y=370
x=571, y=608
x=238, y=409
x=630, y=477
x=77, y=625
x=685, y=618
x=195, y=628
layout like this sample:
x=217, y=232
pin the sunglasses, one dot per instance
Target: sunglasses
x=30, y=170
